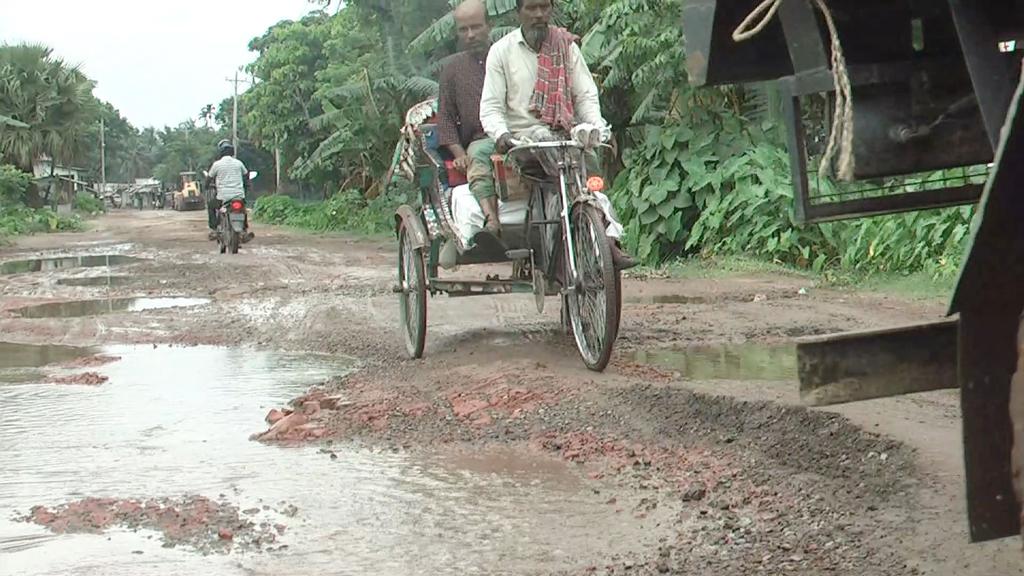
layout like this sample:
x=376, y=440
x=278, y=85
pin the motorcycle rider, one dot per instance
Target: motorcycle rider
x=231, y=179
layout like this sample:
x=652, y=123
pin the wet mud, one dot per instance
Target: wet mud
x=286, y=409
x=203, y=524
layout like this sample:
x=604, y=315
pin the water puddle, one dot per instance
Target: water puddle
x=61, y=263
x=174, y=421
x=82, y=308
x=726, y=362
x=89, y=281
x=21, y=363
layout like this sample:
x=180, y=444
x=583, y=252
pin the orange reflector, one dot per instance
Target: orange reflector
x=595, y=183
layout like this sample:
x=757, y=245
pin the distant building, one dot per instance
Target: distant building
x=62, y=182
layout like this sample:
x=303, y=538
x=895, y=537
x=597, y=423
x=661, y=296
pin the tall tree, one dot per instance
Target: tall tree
x=50, y=103
x=281, y=104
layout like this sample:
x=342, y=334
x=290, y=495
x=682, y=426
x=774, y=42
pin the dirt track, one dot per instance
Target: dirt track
x=743, y=479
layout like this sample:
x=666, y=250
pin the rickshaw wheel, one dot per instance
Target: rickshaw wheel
x=412, y=295
x=594, y=303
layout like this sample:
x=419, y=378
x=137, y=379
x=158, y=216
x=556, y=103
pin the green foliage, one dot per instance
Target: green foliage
x=47, y=103
x=335, y=88
x=89, y=204
x=186, y=148
x=13, y=185
x=703, y=172
x=346, y=211
x=712, y=192
x=16, y=218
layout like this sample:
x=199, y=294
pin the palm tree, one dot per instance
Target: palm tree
x=206, y=115
x=48, y=105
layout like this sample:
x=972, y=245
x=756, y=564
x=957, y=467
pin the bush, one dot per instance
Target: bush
x=13, y=185
x=16, y=220
x=707, y=191
x=346, y=211
x=87, y=203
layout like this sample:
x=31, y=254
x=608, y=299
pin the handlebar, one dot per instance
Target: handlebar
x=519, y=145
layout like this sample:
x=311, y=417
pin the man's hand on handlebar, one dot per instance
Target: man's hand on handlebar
x=504, y=143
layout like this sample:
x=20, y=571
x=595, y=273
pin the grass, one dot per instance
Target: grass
x=916, y=286
x=717, y=267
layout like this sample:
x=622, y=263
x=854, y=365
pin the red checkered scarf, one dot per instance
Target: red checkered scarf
x=552, y=100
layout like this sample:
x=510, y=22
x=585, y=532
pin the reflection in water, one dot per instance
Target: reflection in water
x=95, y=281
x=726, y=362
x=176, y=421
x=21, y=362
x=36, y=356
x=81, y=308
x=48, y=264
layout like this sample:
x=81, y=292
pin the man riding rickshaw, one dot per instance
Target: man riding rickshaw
x=520, y=121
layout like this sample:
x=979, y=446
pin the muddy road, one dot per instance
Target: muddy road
x=169, y=410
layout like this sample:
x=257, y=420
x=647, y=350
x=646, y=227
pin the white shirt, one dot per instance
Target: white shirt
x=228, y=174
x=510, y=80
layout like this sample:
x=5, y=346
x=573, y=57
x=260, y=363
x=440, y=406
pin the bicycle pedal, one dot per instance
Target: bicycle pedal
x=520, y=254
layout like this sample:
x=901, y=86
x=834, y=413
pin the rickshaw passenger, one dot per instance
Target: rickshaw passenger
x=461, y=85
x=536, y=79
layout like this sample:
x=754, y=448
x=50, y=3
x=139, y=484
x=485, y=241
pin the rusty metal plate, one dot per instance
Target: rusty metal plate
x=855, y=366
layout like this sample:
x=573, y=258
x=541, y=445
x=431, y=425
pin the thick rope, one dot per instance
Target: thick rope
x=840, y=138
x=765, y=11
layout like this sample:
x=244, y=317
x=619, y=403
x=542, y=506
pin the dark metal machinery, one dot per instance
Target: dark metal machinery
x=935, y=87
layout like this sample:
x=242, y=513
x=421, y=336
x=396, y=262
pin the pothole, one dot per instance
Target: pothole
x=65, y=262
x=82, y=308
x=171, y=427
x=22, y=362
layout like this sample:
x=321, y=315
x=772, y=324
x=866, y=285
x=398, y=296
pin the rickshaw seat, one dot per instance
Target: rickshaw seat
x=438, y=154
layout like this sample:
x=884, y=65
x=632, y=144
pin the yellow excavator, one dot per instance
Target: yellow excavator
x=189, y=196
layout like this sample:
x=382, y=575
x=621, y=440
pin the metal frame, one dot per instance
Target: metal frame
x=431, y=195
x=989, y=296
x=806, y=211
x=811, y=75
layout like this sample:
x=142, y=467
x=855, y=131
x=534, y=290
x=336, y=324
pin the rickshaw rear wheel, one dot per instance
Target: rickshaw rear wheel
x=412, y=295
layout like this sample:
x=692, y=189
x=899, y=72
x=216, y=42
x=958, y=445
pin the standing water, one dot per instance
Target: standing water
x=174, y=422
x=64, y=262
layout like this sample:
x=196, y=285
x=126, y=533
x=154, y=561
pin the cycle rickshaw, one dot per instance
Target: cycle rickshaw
x=560, y=247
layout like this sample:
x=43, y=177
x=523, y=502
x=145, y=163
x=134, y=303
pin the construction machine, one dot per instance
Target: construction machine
x=189, y=196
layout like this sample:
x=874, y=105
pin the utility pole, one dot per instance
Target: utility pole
x=277, y=164
x=234, y=110
x=234, y=116
x=103, y=158
x=188, y=147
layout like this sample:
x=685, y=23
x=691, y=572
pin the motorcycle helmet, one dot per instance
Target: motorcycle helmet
x=225, y=148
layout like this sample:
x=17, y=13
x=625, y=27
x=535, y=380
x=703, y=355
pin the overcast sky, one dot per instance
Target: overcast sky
x=158, y=62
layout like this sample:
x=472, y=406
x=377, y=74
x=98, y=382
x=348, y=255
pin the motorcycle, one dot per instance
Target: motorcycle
x=233, y=223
